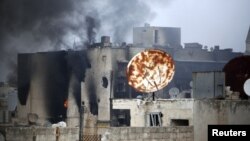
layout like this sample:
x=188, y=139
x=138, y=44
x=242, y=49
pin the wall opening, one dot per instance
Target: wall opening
x=179, y=122
x=154, y=119
x=104, y=58
x=121, y=117
x=187, y=95
x=104, y=82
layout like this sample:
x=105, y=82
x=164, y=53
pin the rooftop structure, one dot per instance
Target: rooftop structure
x=88, y=90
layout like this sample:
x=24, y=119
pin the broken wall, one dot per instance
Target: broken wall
x=98, y=86
x=44, y=89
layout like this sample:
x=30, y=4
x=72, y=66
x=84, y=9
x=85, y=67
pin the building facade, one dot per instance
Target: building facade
x=91, y=84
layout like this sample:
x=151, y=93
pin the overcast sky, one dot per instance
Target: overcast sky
x=209, y=22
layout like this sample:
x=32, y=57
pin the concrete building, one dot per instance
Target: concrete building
x=101, y=68
x=193, y=57
x=192, y=113
x=57, y=76
x=161, y=112
x=149, y=36
x=208, y=85
x=88, y=87
x=248, y=43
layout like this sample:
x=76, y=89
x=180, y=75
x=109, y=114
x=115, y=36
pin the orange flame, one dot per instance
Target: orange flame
x=65, y=103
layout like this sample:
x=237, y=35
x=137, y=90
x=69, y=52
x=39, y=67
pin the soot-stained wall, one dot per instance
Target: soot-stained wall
x=100, y=80
x=44, y=82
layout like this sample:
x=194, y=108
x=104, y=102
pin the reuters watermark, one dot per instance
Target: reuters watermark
x=241, y=132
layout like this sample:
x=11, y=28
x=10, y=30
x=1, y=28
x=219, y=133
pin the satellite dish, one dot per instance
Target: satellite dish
x=173, y=92
x=150, y=70
x=247, y=87
x=191, y=84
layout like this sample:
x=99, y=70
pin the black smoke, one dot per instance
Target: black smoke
x=35, y=25
x=28, y=26
x=126, y=15
x=93, y=26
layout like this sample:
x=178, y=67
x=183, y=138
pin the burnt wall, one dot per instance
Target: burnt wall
x=48, y=76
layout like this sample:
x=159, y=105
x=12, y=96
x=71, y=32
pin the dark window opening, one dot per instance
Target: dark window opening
x=104, y=58
x=104, y=82
x=188, y=95
x=154, y=119
x=121, y=87
x=120, y=117
x=179, y=122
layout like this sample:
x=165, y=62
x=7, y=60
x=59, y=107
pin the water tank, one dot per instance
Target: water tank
x=105, y=39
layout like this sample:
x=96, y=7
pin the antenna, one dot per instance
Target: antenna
x=150, y=70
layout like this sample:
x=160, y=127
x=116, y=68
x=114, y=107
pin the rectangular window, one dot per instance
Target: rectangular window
x=104, y=58
x=120, y=117
x=188, y=95
x=154, y=119
x=179, y=122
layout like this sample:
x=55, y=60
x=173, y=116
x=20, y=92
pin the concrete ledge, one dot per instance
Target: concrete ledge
x=178, y=133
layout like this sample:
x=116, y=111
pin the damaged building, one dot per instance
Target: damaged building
x=88, y=90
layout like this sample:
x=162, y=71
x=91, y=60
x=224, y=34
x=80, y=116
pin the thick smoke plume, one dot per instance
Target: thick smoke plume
x=28, y=26
x=92, y=26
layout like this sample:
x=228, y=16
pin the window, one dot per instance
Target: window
x=154, y=119
x=104, y=58
x=187, y=95
x=120, y=117
x=179, y=122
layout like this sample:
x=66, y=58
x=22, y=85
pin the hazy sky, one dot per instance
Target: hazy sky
x=209, y=22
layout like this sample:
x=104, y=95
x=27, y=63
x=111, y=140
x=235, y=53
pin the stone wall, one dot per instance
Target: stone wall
x=41, y=134
x=181, y=133
x=208, y=112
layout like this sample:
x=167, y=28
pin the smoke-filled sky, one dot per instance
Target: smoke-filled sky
x=45, y=25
